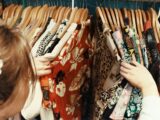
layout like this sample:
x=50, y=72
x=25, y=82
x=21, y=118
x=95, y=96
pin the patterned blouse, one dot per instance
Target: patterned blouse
x=70, y=77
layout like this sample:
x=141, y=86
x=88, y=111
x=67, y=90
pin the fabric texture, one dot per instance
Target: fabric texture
x=69, y=78
x=37, y=44
x=58, y=32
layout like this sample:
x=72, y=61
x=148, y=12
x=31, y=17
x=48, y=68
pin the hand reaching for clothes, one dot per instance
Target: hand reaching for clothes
x=139, y=77
x=42, y=66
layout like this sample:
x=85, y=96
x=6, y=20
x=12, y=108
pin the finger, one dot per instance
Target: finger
x=43, y=59
x=123, y=69
x=125, y=75
x=126, y=65
x=43, y=72
x=46, y=63
x=47, y=67
x=135, y=63
x=43, y=67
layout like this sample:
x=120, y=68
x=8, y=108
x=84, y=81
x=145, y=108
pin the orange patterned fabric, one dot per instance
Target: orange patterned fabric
x=69, y=74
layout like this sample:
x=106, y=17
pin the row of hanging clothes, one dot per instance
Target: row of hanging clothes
x=61, y=35
x=123, y=35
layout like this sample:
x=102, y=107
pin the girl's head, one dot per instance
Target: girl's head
x=15, y=72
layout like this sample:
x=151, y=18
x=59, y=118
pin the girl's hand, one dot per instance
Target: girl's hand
x=139, y=77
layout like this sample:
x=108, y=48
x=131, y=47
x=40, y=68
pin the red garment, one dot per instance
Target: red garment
x=147, y=25
x=68, y=76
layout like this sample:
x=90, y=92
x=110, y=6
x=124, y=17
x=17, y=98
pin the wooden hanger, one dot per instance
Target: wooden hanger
x=77, y=16
x=81, y=13
x=121, y=18
x=125, y=13
x=134, y=20
x=42, y=17
x=54, y=13
x=148, y=15
x=104, y=16
x=113, y=18
x=57, y=13
x=28, y=18
x=144, y=17
x=67, y=13
x=24, y=16
x=100, y=14
x=71, y=20
x=4, y=13
x=61, y=14
x=52, y=8
x=49, y=12
x=129, y=18
x=117, y=17
x=109, y=20
x=11, y=15
x=140, y=21
x=17, y=15
x=48, y=15
x=84, y=16
x=7, y=12
x=139, y=34
x=45, y=19
x=156, y=24
x=32, y=21
x=153, y=20
x=35, y=13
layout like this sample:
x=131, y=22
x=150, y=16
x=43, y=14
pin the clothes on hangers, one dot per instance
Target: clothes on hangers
x=69, y=75
x=127, y=103
x=103, y=63
x=37, y=44
x=55, y=38
x=155, y=55
x=71, y=55
x=38, y=32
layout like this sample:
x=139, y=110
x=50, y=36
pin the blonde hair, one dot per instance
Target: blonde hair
x=15, y=53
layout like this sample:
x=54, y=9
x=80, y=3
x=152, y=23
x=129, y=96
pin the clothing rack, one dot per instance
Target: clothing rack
x=91, y=4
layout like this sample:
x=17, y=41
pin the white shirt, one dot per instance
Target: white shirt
x=59, y=46
x=49, y=28
x=150, y=108
x=33, y=103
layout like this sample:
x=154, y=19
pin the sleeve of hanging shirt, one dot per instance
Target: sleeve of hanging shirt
x=150, y=108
